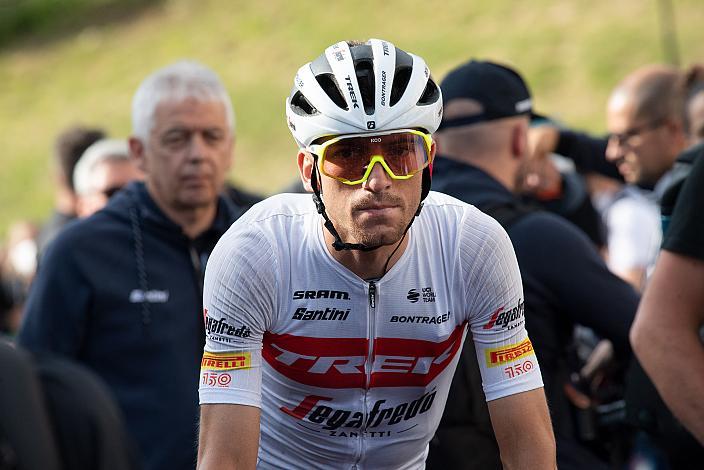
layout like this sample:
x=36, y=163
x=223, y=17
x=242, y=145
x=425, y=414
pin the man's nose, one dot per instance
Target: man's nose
x=199, y=148
x=614, y=150
x=378, y=179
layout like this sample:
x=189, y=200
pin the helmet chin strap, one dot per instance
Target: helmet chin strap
x=338, y=244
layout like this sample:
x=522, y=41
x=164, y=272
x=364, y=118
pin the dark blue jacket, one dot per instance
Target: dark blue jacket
x=565, y=282
x=88, y=302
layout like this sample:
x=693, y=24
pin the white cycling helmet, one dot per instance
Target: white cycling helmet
x=369, y=87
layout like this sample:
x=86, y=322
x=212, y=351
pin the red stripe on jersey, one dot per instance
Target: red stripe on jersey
x=340, y=362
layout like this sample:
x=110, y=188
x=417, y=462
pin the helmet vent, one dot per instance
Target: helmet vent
x=431, y=93
x=300, y=105
x=365, y=79
x=401, y=79
x=329, y=85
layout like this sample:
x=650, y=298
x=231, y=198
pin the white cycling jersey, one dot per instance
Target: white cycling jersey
x=352, y=373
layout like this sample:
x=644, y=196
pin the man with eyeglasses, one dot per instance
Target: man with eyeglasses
x=104, y=168
x=646, y=121
x=334, y=326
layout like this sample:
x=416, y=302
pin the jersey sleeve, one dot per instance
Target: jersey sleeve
x=238, y=307
x=495, y=309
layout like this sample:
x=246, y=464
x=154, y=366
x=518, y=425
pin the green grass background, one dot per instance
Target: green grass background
x=79, y=61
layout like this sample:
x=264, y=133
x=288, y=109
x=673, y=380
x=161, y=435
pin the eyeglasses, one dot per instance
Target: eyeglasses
x=628, y=137
x=350, y=158
x=110, y=192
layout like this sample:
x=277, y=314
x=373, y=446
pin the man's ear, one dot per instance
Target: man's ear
x=434, y=149
x=519, y=140
x=137, y=153
x=306, y=163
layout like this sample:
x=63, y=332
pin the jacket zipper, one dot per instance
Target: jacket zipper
x=368, y=363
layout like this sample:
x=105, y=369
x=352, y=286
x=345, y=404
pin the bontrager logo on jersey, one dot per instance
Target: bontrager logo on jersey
x=340, y=362
x=226, y=361
x=508, y=319
x=332, y=419
x=425, y=320
x=325, y=314
x=499, y=356
x=320, y=294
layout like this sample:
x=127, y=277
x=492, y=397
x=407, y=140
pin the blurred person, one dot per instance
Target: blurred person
x=9, y=317
x=555, y=185
x=68, y=148
x=483, y=145
x=104, y=168
x=335, y=324
x=58, y=415
x=17, y=270
x=667, y=335
x=121, y=291
x=647, y=124
x=647, y=119
x=694, y=85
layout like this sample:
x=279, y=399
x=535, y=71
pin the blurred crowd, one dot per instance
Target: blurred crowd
x=122, y=255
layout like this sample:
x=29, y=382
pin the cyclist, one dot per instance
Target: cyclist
x=333, y=329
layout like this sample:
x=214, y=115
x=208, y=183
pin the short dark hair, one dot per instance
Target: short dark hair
x=70, y=145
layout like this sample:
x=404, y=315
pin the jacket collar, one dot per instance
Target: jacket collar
x=468, y=183
x=153, y=216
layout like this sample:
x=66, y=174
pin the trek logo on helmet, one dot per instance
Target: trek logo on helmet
x=350, y=89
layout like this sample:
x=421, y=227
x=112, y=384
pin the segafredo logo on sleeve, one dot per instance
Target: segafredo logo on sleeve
x=507, y=319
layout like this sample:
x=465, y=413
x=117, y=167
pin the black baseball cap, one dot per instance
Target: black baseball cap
x=499, y=90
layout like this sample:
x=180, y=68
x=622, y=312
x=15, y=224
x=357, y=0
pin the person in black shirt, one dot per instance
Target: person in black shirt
x=482, y=142
x=667, y=334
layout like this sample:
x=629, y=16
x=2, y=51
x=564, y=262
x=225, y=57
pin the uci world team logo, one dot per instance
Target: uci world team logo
x=426, y=293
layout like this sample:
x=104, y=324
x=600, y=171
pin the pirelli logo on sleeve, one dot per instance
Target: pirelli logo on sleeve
x=226, y=361
x=509, y=353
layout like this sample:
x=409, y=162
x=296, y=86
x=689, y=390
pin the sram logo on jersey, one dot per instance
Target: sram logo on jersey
x=341, y=362
x=320, y=294
x=512, y=352
x=226, y=361
x=507, y=319
x=331, y=418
